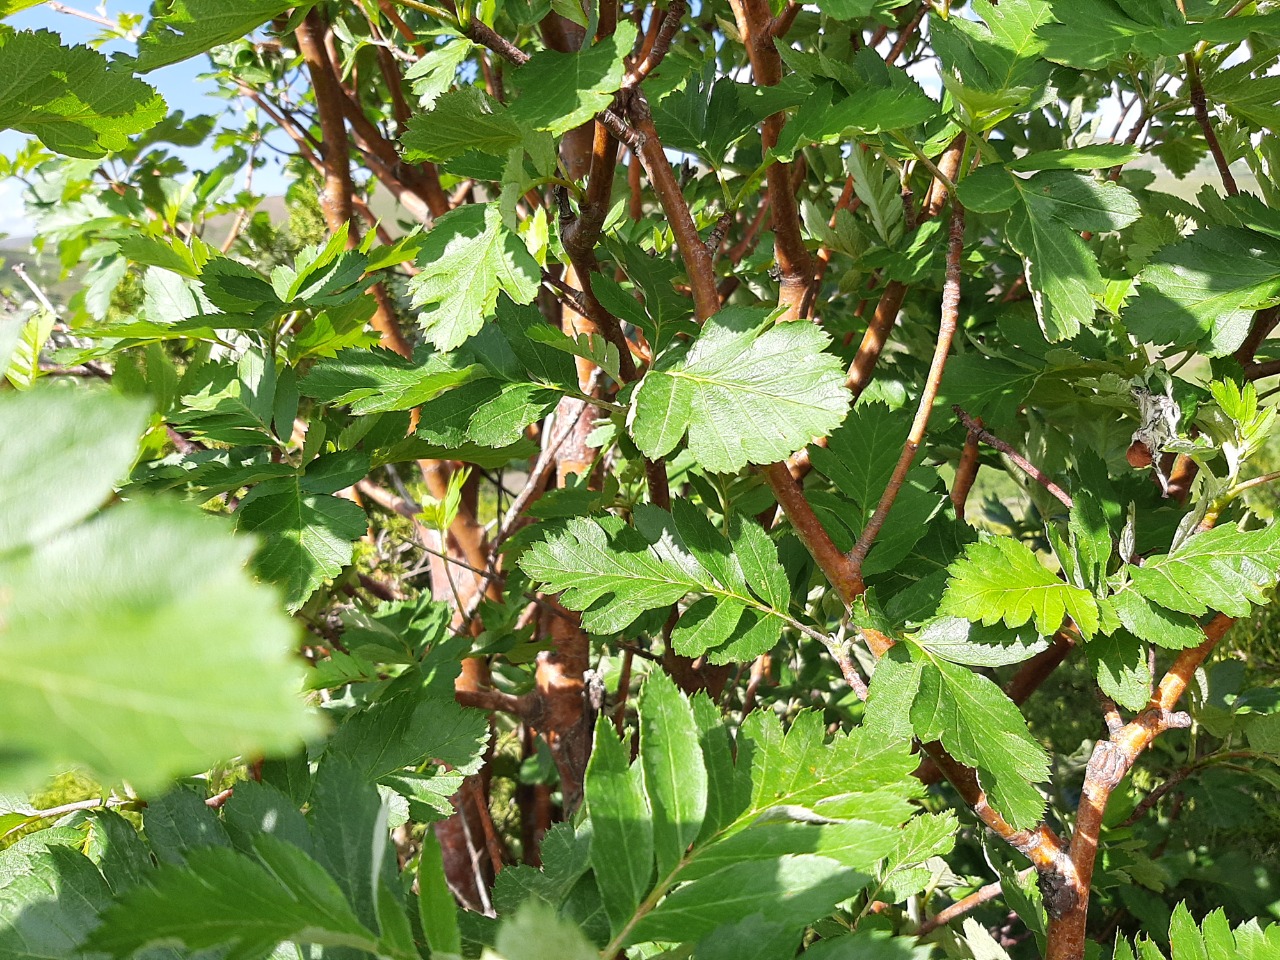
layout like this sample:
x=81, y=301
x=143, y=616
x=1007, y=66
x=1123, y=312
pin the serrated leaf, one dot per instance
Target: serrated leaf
x=60, y=455
x=1000, y=579
x=378, y=380
x=188, y=28
x=961, y=641
x=410, y=723
x=225, y=898
x=1121, y=669
x=88, y=623
x=992, y=68
x=1154, y=624
x=1224, y=569
x=463, y=120
x=622, y=826
x=561, y=91
x=306, y=537
x=981, y=726
x=589, y=346
x=49, y=900
x=1201, y=293
x=537, y=932
x=435, y=73
x=674, y=775
x=1095, y=156
x=1089, y=34
x=613, y=572
x=794, y=890
x=742, y=394
x=75, y=100
x=468, y=257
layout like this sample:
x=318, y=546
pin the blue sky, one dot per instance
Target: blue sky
x=179, y=83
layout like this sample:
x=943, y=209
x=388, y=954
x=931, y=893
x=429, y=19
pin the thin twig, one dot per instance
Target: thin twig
x=1023, y=464
x=946, y=332
x=1200, y=105
x=966, y=905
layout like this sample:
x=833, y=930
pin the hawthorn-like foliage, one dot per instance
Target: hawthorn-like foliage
x=729, y=479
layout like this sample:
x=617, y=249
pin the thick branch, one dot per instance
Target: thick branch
x=1112, y=759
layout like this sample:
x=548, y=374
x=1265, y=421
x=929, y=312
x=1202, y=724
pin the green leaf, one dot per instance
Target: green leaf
x=1154, y=624
x=436, y=906
x=1000, y=579
x=864, y=773
x=989, y=189
x=180, y=821
x=674, y=775
x=706, y=115
x=1090, y=539
x=1090, y=34
x=957, y=640
x=60, y=455
x=435, y=73
x=378, y=380
x=1081, y=202
x=49, y=900
x=1093, y=157
x=536, y=932
x=75, y=100
x=752, y=938
x=622, y=826
x=561, y=91
x=992, y=68
x=224, y=898
x=1121, y=669
x=793, y=890
x=1061, y=272
x=467, y=258
x=89, y=672
x=1224, y=569
x=463, y=120
x=1201, y=293
x=860, y=457
x=613, y=572
x=743, y=394
x=974, y=721
x=351, y=836
x=410, y=723
x=306, y=536
x=1253, y=99
x=187, y=28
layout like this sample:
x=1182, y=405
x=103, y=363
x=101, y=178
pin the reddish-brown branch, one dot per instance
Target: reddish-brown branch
x=966, y=472
x=1041, y=845
x=338, y=190
x=962, y=907
x=694, y=253
x=655, y=52
x=1023, y=464
x=795, y=267
x=908, y=31
x=1112, y=759
x=402, y=28
x=1264, y=321
x=1200, y=105
x=833, y=563
x=950, y=319
x=890, y=303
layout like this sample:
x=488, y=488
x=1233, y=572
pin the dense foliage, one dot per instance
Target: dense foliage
x=730, y=480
